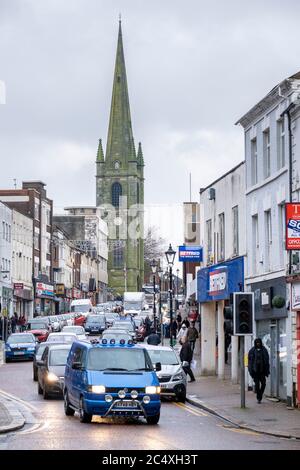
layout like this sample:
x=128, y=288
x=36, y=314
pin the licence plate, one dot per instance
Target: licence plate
x=18, y=353
x=163, y=385
x=126, y=404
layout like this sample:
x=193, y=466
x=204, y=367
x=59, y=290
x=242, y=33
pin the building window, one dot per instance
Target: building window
x=221, y=244
x=268, y=240
x=3, y=230
x=116, y=193
x=280, y=144
x=118, y=256
x=36, y=211
x=267, y=153
x=209, y=241
x=253, y=161
x=48, y=216
x=255, y=243
x=36, y=241
x=235, y=229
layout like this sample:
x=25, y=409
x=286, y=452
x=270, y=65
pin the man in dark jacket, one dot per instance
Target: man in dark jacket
x=153, y=338
x=259, y=367
x=186, y=356
x=192, y=335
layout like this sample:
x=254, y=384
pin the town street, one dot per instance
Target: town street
x=180, y=427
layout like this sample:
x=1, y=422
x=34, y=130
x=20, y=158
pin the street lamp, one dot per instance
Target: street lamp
x=153, y=265
x=170, y=255
x=160, y=276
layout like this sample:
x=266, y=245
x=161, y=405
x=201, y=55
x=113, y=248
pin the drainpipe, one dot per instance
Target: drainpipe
x=288, y=114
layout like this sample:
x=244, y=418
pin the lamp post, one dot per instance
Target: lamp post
x=170, y=255
x=160, y=275
x=153, y=265
x=177, y=287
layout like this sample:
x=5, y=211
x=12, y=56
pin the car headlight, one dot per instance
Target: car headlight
x=178, y=376
x=52, y=377
x=151, y=390
x=98, y=389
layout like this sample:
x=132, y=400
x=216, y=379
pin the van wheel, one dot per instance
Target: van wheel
x=83, y=415
x=68, y=410
x=40, y=390
x=181, y=397
x=153, y=419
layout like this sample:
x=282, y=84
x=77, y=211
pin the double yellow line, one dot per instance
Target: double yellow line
x=194, y=411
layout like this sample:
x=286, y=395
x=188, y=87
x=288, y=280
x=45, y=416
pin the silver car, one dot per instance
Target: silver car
x=172, y=377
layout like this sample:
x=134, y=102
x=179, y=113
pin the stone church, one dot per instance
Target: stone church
x=120, y=188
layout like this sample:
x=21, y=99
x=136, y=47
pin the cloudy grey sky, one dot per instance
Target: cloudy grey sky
x=193, y=69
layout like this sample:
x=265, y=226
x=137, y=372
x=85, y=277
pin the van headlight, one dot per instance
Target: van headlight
x=98, y=389
x=152, y=390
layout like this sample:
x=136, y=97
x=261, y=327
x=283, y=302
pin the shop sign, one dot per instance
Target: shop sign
x=60, y=289
x=192, y=254
x=76, y=293
x=18, y=286
x=292, y=217
x=43, y=289
x=295, y=296
x=217, y=281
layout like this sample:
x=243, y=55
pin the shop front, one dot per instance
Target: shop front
x=23, y=300
x=6, y=301
x=44, y=298
x=295, y=311
x=271, y=326
x=215, y=284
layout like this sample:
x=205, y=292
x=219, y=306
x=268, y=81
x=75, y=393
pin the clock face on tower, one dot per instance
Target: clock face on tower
x=117, y=165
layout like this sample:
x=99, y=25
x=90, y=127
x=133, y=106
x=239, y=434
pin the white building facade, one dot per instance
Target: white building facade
x=6, y=288
x=22, y=262
x=272, y=155
x=222, y=226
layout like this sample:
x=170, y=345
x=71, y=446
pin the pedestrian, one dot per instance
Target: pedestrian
x=186, y=322
x=173, y=329
x=182, y=333
x=259, y=367
x=186, y=357
x=192, y=335
x=179, y=320
x=227, y=342
x=147, y=325
x=13, y=323
x=153, y=338
x=22, y=322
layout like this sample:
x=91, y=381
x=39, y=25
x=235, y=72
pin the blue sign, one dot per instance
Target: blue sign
x=219, y=281
x=191, y=253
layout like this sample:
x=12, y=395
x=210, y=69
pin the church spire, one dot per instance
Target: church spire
x=140, y=157
x=100, y=155
x=120, y=144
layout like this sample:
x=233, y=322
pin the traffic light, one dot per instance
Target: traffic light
x=228, y=319
x=243, y=312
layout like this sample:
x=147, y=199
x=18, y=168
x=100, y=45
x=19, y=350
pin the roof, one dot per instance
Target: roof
x=221, y=177
x=158, y=347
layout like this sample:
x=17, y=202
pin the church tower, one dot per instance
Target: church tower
x=120, y=188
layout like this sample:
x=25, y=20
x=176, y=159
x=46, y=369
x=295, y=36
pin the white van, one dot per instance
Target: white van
x=81, y=306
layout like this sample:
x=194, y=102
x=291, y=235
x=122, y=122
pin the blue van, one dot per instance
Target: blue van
x=111, y=379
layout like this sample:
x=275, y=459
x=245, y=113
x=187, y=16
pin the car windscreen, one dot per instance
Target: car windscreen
x=118, y=359
x=58, y=357
x=61, y=338
x=166, y=358
x=80, y=308
x=37, y=326
x=20, y=339
x=97, y=319
x=78, y=330
x=124, y=325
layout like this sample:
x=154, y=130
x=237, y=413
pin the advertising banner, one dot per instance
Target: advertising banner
x=292, y=217
x=192, y=254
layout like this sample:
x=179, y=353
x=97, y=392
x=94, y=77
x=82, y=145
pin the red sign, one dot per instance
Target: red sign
x=18, y=285
x=292, y=217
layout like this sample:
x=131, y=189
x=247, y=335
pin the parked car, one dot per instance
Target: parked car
x=51, y=368
x=62, y=337
x=95, y=324
x=172, y=377
x=39, y=328
x=78, y=330
x=102, y=379
x=20, y=346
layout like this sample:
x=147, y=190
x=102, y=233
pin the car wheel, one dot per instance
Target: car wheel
x=40, y=390
x=83, y=415
x=68, y=410
x=45, y=393
x=153, y=419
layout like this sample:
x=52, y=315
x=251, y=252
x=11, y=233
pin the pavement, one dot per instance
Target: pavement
x=10, y=417
x=222, y=398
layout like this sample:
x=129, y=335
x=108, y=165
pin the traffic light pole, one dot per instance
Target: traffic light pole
x=242, y=369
